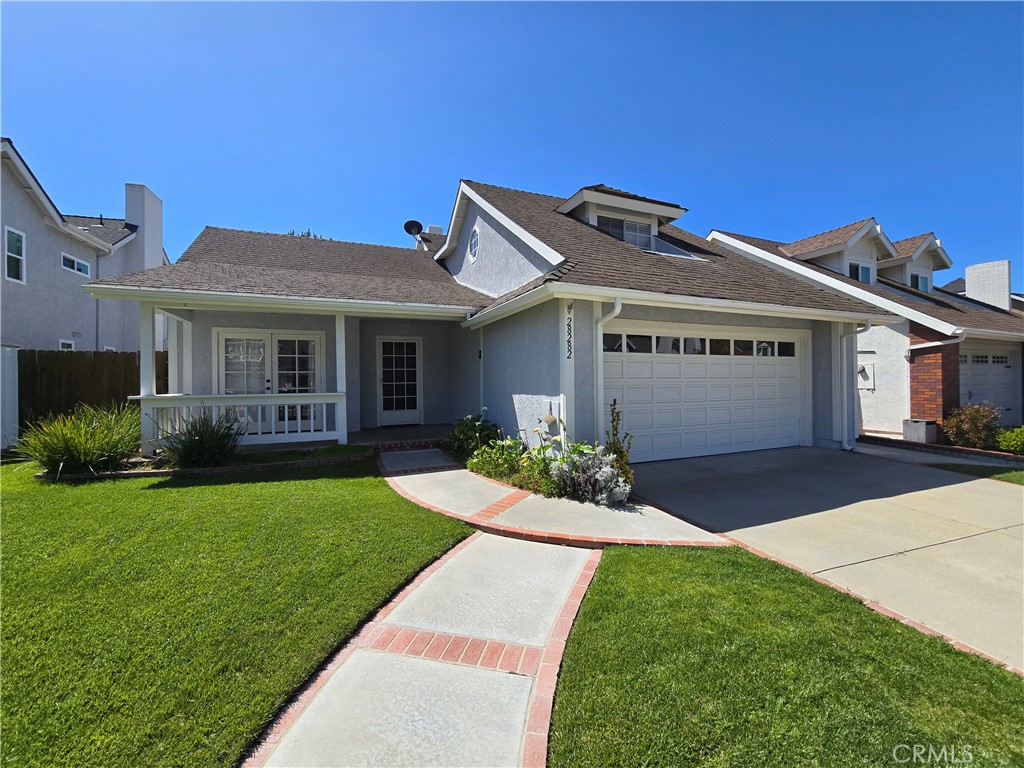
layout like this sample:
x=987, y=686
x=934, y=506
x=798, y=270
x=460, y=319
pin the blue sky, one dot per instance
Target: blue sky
x=778, y=120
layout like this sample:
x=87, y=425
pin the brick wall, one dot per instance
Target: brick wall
x=934, y=375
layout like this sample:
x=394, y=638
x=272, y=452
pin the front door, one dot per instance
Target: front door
x=399, y=399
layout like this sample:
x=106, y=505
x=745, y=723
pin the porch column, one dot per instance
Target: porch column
x=173, y=349
x=341, y=406
x=147, y=375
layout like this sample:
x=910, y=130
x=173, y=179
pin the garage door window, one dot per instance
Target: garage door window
x=766, y=349
x=743, y=348
x=667, y=345
x=694, y=346
x=720, y=346
x=638, y=343
x=787, y=349
x=612, y=342
x=1000, y=360
x=979, y=359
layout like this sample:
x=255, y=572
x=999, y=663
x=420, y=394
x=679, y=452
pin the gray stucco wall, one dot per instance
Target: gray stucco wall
x=884, y=406
x=585, y=421
x=51, y=305
x=521, y=357
x=821, y=384
x=504, y=262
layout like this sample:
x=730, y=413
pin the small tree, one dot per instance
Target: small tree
x=306, y=233
x=972, y=426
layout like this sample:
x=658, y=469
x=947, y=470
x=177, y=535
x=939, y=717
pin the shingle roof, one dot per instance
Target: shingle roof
x=237, y=261
x=110, y=231
x=940, y=304
x=836, y=236
x=432, y=241
x=956, y=286
x=908, y=245
x=597, y=259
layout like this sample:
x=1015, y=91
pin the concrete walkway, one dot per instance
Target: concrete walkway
x=458, y=670
x=430, y=479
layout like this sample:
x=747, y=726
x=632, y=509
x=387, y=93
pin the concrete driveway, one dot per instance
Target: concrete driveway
x=942, y=548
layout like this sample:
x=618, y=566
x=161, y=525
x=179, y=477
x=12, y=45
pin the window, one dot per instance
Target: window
x=638, y=343
x=668, y=345
x=66, y=346
x=860, y=272
x=979, y=359
x=14, y=255
x=72, y=264
x=720, y=346
x=694, y=346
x=765, y=349
x=964, y=358
x=474, y=245
x=612, y=342
x=296, y=365
x=787, y=349
x=919, y=283
x=1000, y=360
x=743, y=348
x=636, y=232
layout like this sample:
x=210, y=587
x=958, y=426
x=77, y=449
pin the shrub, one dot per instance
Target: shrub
x=591, y=475
x=90, y=439
x=499, y=459
x=469, y=434
x=972, y=426
x=1011, y=440
x=204, y=442
x=619, y=445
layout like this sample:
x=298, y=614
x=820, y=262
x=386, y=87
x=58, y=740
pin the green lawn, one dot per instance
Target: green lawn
x=978, y=470
x=715, y=657
x=164, y=621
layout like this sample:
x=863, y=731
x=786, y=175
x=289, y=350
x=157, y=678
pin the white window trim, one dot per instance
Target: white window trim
x=77, y=261
x=22, y=258
x=61, y=342
x=919, y=276
x=605, y=214
x=861, y=265
x=272, y=333
x=473, y=249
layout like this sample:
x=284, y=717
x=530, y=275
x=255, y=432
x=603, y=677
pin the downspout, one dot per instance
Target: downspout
x=599, y=364
x=958, y=337
x=844, y=441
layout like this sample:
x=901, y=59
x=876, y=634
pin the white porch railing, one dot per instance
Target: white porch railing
x=280, y=418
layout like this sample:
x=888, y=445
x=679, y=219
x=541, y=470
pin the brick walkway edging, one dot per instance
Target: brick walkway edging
x=540, y=662
x=481, y=519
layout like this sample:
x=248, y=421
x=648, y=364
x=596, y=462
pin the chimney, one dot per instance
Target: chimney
x=433, y=229
x=989, y=282
x=146, y=211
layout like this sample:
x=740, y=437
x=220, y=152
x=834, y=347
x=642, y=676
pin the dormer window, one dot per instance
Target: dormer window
x=860, y=272
x=919, y=283
x=474, y=245
x=635, y=232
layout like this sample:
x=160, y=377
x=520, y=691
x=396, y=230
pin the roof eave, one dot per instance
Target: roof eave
x=662, y=210
x=174, y=297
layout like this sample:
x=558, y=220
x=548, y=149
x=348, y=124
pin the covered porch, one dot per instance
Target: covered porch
x=305, y=376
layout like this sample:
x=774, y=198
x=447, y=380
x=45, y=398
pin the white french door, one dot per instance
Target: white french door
x=399, y=388
x=268, y=363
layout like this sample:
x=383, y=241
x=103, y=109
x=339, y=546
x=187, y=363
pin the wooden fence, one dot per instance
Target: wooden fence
x=51, y=382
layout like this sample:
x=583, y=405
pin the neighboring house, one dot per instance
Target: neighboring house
x=49, y=256
x=529, y=305
x=947, y=350
x=984, y=282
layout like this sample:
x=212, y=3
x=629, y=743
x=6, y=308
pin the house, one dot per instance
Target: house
x=947, y=349
x=49, y=256
x=984, y=282
x=528, y=305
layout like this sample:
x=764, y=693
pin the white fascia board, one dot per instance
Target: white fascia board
x=548, y=253
x=812, y=276
x=873, y=227
x=454, y=225
x=978, y=333
x=653, y=299
x=224, y=300
x=127, y=240
x=667, y=212
x=92, y=240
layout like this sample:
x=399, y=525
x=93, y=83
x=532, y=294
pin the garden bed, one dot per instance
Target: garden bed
x=1011, y=459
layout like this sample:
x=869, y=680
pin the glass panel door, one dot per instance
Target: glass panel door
x=399, y=382
x=296, y=361
x=246, y=372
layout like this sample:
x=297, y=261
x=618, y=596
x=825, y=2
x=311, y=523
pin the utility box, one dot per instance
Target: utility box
x=920, y=430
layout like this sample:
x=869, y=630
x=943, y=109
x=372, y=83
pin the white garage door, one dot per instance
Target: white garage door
x=691, y=392
x=990, y=373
